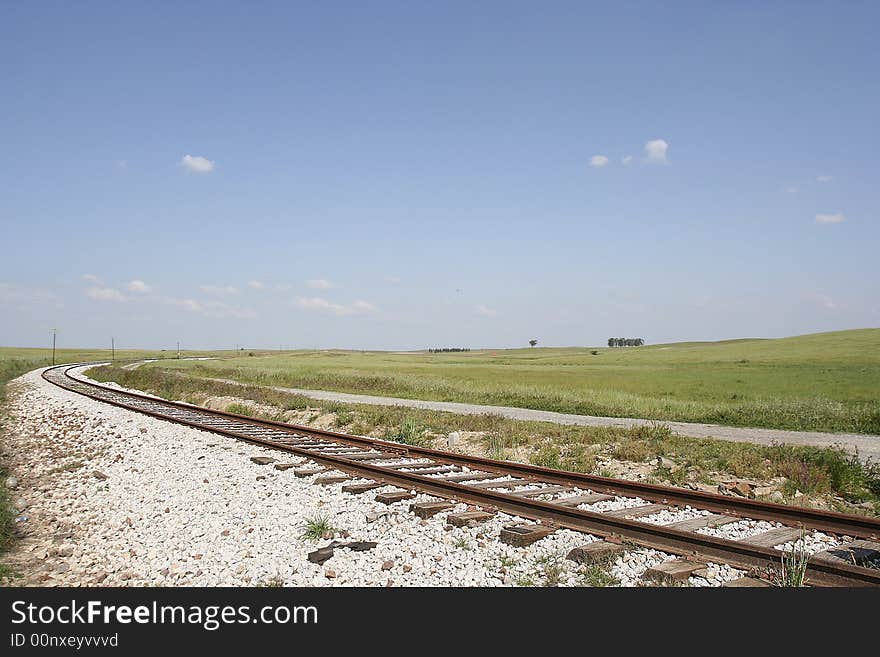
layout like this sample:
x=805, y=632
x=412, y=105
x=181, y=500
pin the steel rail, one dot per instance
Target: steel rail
x=686, y=543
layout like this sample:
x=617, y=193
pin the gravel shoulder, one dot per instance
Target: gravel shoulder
x=110, y=497
x=867, y=446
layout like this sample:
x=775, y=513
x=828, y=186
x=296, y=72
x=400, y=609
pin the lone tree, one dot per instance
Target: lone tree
x=532, y=343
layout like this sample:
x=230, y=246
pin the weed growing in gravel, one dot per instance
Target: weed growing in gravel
x=794, y=565
x=462, y=544
x=275, y=581
x=240, y=409
x=507, y=561
x=344, y=417
x=597, y=575
x=548, y=457
x=525, y=581
x=553, y=572
x=317, y=527
x=496, y=447
x=410, y=432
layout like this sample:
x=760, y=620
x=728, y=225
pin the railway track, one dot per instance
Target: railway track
x=551, y=498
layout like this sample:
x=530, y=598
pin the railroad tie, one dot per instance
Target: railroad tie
x=589, y=498
x=774, y=537
x=595, y=552
x=427, y=509
x=523, y=534
x=394, y=496
x=744, y=582
x=330, y=479
x=468, y=518
x=672, y=572
x=357, y=489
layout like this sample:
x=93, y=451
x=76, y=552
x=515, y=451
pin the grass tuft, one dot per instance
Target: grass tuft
x=317, y=527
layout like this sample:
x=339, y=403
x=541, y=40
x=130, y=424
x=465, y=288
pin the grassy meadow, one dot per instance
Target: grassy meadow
x=822, y=382
x=827, y=477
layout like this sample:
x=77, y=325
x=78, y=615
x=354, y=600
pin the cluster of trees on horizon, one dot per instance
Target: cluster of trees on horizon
x=446, y=350
x=625, y=342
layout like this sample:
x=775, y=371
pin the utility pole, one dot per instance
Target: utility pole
x=112, y=349
x=54, y=332
x=178, y=350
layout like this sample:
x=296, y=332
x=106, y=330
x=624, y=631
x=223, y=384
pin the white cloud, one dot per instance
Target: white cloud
x=656, y=150
x=187, y=304
x=139, y=287
x=319, y=284
x=105, y=294
x=626, y=160
x=824, y=179
x=91, y=278
x=218, y=309
x=121, y=164
x=318, y=303
x=197, y=163
x=255, y=285
x=791, y=190
x=826, y=302
x=219, y=290
x=830, y=218
x=484, y=311
x=214, y=309
x=598, y=161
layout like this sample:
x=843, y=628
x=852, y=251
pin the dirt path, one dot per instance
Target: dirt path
x=867, y=446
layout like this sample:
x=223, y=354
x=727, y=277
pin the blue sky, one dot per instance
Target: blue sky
x=412, y=174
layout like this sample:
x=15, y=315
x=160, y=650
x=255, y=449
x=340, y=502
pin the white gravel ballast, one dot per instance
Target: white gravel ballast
x=111, y=497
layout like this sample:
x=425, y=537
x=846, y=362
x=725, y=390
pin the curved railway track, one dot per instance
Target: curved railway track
x=551, y=497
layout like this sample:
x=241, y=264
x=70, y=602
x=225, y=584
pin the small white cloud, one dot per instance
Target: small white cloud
x=197, y=163
x=187, y=304
x=105, y=294
x=791, y=190
x=219, y=290
x=213, y=309
x=319, y=284
x=484, y=311
x=824, y=179
x=139, y=287
x=656, y=150
x=830, y=218
x=598, y=161
x=626, y=160
x=318, y=303
x=255, y=285
x=91, y=278
x=121, y=164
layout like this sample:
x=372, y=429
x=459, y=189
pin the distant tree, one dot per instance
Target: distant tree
x=532, y=343
x=626, y=342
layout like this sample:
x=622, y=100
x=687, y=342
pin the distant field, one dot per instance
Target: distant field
x=825, y=382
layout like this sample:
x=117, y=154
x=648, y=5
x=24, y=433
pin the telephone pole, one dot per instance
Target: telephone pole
x=178, y=351
x=54, y=333
x=112, y=349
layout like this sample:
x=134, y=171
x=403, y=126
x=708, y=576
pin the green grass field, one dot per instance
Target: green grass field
x=823, y=382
